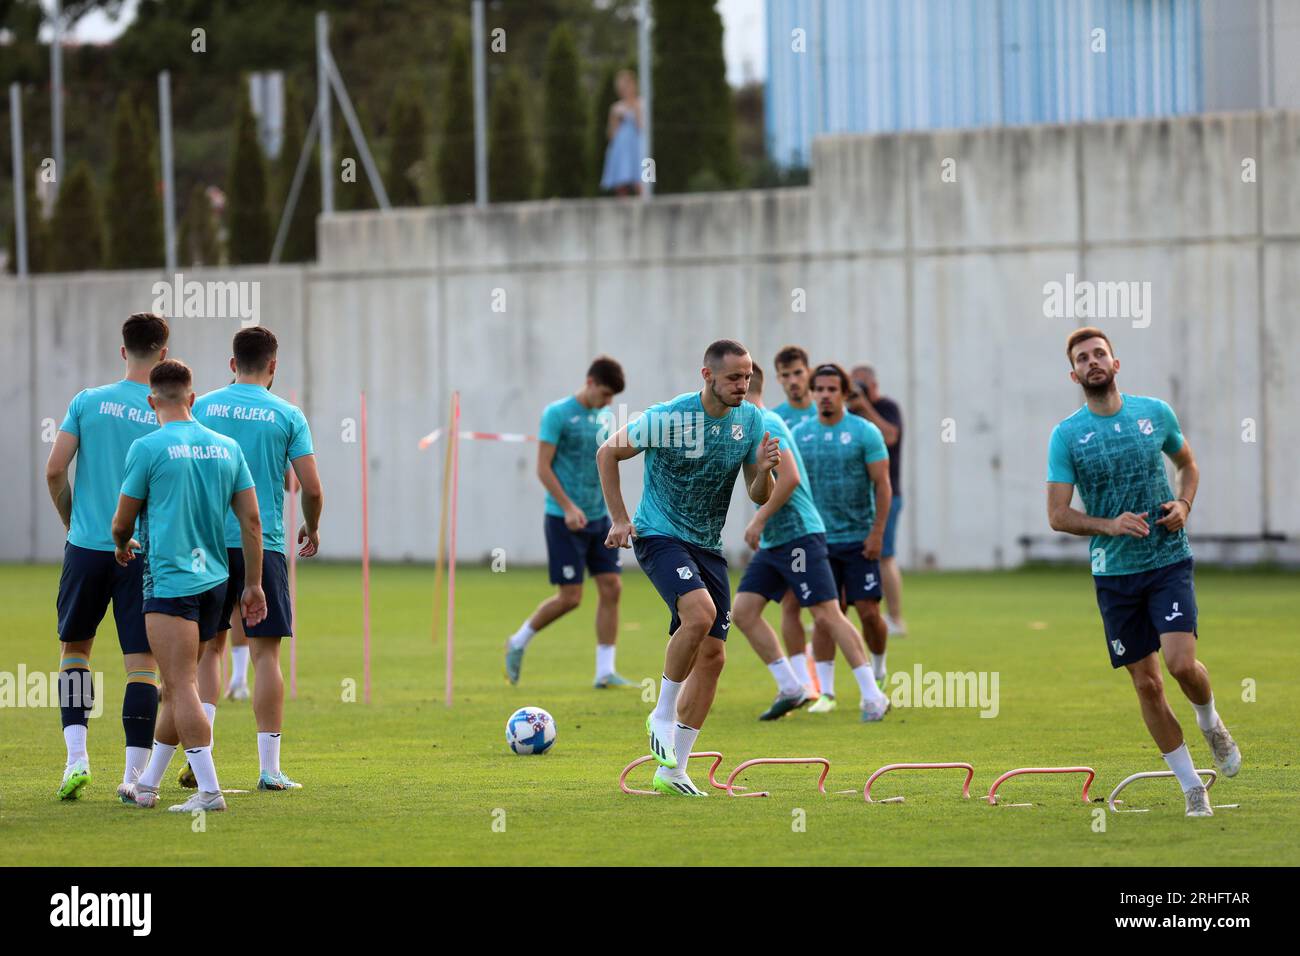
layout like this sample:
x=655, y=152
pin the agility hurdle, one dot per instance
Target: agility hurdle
x=993, y=800
x=1148, y=774
x=889, y=767
x=731, y=786
x=713, y=780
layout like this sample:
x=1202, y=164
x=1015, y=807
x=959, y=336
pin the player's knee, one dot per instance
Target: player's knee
x=1182, y=668
x=610, y=587
x=569, y=596
x=697, y=615
x=1149, y=685
x=713, y=654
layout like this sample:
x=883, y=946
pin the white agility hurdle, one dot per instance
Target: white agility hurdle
x=1147, y=775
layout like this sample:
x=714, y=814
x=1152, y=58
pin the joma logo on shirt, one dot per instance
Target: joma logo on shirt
x=246, y=413
x=120, y=410
x=198, y=451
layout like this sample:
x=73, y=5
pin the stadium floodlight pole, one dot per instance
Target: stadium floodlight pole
x=169, y=180
x=20, y=197
x=358, y=134
x=291, y=203
x=480, y=107
x=323, y=113
x=56, y=94
x=647, y=93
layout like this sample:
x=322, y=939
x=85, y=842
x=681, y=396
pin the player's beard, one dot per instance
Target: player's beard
x=1098, y=387
x=722, y=399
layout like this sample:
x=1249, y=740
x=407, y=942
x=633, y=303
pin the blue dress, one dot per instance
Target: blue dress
x=623, y=155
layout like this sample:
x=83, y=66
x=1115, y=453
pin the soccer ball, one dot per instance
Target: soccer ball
x=530, y=730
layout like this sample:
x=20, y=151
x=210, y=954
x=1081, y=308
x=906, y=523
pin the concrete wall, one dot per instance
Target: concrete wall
x=939, y=284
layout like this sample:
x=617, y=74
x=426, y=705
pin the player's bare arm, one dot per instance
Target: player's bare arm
x=787, y=480
x=56, y=475
x=128, y=509
x=575, y=519
x=1073, y=521
x=875, y=541
x=253, y=601
x=313, y=502
x=758, y=476
x=1187, y=479
x=617, y=448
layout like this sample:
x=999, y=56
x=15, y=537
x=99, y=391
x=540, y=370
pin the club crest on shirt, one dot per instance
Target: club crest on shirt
x=1145, y=426
x=737, y=432
x=845, y=438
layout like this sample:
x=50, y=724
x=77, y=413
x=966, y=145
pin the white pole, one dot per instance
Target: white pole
x=20, y=194
x=169, y=182
x=644, y=68
x=358, y=134
x=56, y=95
x=323, y=113
x=480, y=107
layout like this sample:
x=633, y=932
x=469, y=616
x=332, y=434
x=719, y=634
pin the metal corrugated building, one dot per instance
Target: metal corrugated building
x=883, y=65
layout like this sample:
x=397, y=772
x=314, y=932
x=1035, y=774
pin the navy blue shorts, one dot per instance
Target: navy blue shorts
x=569, y=552
x=1137, y=608
x=275, y=584
x=676, y=567
x=91, y=579
x=891, y=525
x=204, y=609
x=856, y=577
x=800, y=566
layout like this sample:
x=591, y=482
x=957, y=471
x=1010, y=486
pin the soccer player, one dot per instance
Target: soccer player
x=180, y=481
x=789, y=536
x=1110, y=449
x=792, y=368
x=576, y=522
x=273, y=436
x=100, y=426
x=885, y=414
x=848, y=468
x=695, y=444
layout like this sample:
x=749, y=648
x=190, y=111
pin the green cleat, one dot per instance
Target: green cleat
x=783, y=705
x=612, y=680
x=675, y=785
x=823, y=704
x=276, y=781
x=75, y=777
x=661, y=741
x=514, y=661
x=186, y=778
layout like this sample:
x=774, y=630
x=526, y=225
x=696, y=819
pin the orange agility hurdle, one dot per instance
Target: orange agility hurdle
x=887, y=768
x=731, y=786
x=1015, y=773
x=713, y=780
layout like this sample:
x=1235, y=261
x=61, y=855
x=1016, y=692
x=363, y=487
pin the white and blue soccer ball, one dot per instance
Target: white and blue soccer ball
x=530, y=730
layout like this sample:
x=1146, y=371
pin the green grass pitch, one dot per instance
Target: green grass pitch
x=407, y=781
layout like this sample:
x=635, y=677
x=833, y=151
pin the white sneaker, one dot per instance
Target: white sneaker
x=894, y=627
x=675, y=783
x=872, y=712
x=1198, y=803
x=138, y=795
x=1227, y=756
x=202, y=800
x=661, y=733
x=237, y=692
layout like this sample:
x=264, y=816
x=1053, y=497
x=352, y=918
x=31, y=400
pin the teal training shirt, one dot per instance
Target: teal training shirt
x=576, y=431
x=1117, y=464
x=798, y=516
x=691, y=463
x=186, y=475
x=105, y=421
x=794, y=417
x=271, y=433
x=836, y=458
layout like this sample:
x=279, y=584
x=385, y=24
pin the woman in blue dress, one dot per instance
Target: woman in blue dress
x=622, y=173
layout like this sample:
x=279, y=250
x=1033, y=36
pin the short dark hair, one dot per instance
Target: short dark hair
x=831, y=368
x=789, y=356
x=715, y=353
x=254, y=348
x=144, y=334
x=756, y=381
x=607, y=372
x=1082, y=335
x=171, y=380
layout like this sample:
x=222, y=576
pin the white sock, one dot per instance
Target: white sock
x=866, y=679
x=604, y=660
x=1180, y=762
x=666, y=709
x=239, y=666
x=268, y=752
x=519, y=640
x=1207, y=718
x=210, y=712
x=826, y=676
x=158, y=761
x=205, y=772
x=137, y=758
x=74, y=737
x=878, y=665
x=683, y=743
x=799, y=664
x=787, y=681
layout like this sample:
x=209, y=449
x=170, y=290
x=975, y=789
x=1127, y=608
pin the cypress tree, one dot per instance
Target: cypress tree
x=134, y=207
x=77, y=230
x=250, y=222
x=456, y=149
x=511, y=173
x=567, y=172
x=300, y=242
x=406, y=153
